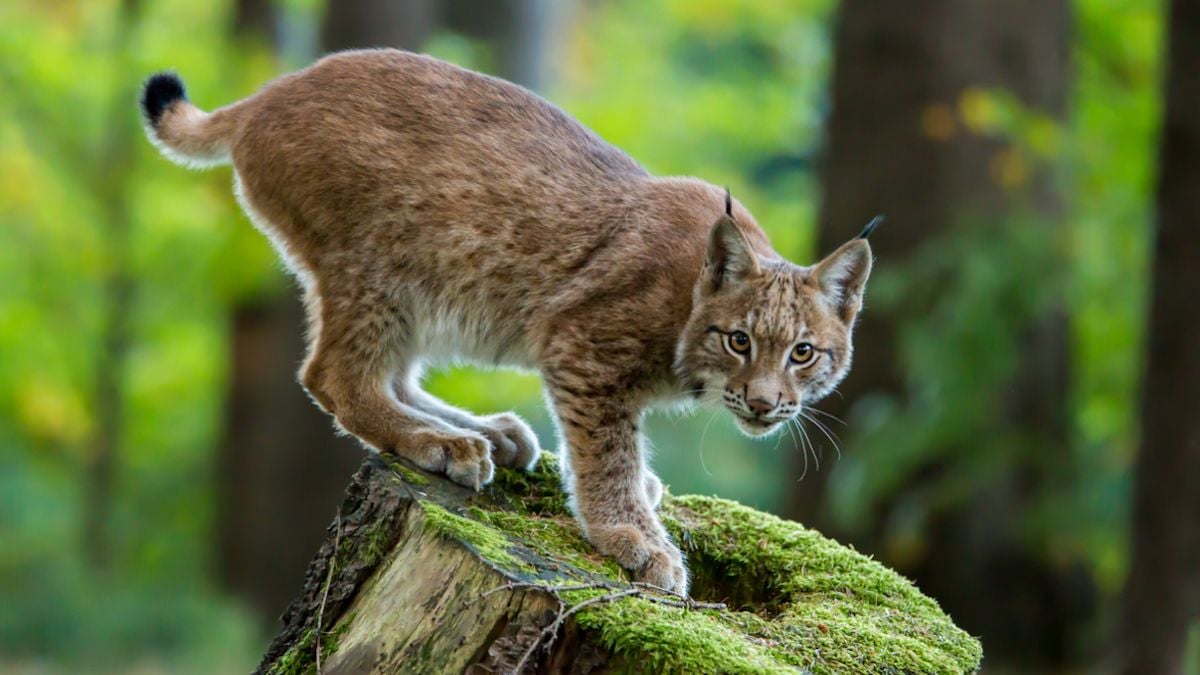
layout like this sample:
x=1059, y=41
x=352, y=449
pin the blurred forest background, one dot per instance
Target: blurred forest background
x=1019, y=433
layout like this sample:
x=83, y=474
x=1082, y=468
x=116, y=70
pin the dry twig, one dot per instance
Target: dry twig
x=648, y=592
x=337, y=538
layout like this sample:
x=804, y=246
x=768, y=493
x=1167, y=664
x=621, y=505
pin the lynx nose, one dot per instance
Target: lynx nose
x=760, y=406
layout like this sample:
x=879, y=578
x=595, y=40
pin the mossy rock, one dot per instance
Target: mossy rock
x=430, y=577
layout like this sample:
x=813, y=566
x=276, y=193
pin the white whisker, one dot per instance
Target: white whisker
x=704, y=435
x=822, y=412
x=833, y=439
x=787, y=425
x=813, y=446
x=803, y=451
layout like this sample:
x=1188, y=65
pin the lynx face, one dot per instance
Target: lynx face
x=768, y=336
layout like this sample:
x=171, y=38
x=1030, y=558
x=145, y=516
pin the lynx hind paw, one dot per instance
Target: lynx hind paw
x=465, y=458
x=516, y=444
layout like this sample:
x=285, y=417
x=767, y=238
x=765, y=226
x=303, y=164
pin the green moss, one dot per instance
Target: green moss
x=410, y=476
x=660, y=639
x=370, y=547
x=796, y=599
x=556, y=538
x=537, y=492
x=301, y=658
x=489, y=543
x=803, y=600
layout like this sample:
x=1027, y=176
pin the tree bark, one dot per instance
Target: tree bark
x=419, y=575
x=1163, y=589
x=897, y=145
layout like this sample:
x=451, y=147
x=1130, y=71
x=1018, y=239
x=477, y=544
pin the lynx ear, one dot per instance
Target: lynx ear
x=842, y=277
x=729, y=260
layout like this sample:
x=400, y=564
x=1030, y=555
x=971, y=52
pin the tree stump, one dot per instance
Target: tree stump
x=420, y=575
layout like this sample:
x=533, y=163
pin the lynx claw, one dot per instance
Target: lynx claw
x=665, y=569
x=649, y=557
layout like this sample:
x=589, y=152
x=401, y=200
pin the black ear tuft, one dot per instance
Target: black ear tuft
x=728, y=203
x=159, y=92
x=875, y=222
x=729, y=259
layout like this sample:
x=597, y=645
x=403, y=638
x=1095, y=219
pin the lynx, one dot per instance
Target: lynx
x=433, y=213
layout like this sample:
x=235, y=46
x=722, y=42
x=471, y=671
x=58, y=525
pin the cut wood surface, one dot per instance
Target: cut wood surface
x=420, y=575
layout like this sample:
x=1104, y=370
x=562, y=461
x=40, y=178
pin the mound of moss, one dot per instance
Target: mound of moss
x=795, y=599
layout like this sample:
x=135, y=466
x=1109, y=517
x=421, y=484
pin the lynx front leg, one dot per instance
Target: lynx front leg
x=609, y=486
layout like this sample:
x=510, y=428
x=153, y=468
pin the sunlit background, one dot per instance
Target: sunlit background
x=163, y=480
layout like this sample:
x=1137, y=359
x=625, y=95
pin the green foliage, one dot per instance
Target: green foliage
x=85, y=198
x=1113, y=164
x=982, y=312
x=730, y=91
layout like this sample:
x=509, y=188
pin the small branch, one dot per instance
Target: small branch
x=684, y=601
x=552, y=590
x=549, y=632
x=337, y=538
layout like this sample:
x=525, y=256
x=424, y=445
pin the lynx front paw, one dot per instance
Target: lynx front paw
x=648, y=556
x=466, y=458
x=516, y=444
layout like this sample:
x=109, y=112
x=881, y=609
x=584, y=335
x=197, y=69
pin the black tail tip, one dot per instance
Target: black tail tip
x=159, y=92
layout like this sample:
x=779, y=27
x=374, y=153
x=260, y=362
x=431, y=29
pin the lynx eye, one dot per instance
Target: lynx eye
x=803, y=354
x=738, y=343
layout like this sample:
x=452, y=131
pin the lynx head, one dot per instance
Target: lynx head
x=770, y=337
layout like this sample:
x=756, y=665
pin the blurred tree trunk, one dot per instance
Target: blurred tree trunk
x=897, y=145
x=111, y=172
x=281, y=470
x=257, y=20
x=518, y=30
x=1163, y=590
x=356, y=24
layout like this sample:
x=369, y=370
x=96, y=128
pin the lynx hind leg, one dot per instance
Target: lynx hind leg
x=514, y=442
x=348, y=374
